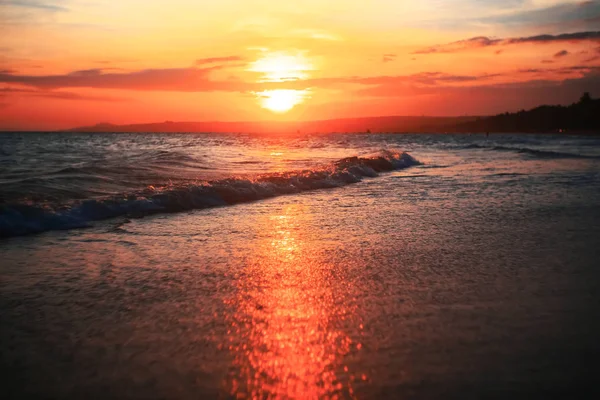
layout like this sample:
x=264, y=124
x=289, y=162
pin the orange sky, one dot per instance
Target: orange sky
x=73, y=62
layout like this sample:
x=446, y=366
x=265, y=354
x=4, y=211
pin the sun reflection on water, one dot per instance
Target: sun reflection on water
x=283, y=335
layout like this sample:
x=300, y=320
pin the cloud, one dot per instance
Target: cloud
x=562, y=53
x=429, y=79
x=475, y=42
x=435, y=83
x=492, y=97
x=214, y=60
x=559, y=14
x=565, y=37
x=547, y=62
x=581, y=69
x=87, y=72
x=35, y=4
x=595, y=57
x=198, y=80
x=496, y=15
x=174, y=79
x=29, y=12
x=483, y=41
x=388, y=58
x=58, y=94
x=315, y=34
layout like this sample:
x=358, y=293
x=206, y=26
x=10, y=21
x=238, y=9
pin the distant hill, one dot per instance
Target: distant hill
x=580, y=117
x=346, y=125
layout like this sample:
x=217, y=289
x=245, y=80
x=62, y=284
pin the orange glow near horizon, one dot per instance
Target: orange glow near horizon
x=236, y=60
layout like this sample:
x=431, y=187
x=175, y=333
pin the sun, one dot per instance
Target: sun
x=281, y=100
x=282, y=67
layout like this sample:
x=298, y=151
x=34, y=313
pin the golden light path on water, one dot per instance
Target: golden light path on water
x=284, y=335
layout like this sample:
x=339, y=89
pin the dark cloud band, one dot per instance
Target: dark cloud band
x=484, y=41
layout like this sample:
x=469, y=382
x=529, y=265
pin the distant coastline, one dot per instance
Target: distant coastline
x=388, y=124
x=582, y=117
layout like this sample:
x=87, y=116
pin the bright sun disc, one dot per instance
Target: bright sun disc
x=282, y=67
x=281, y=100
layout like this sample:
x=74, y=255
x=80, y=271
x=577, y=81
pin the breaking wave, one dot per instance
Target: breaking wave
x=531, y=152
x=23, y=219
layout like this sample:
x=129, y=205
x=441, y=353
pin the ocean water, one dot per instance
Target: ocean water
x=167, y=266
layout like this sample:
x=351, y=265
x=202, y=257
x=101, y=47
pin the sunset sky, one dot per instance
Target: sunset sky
x=67, y=63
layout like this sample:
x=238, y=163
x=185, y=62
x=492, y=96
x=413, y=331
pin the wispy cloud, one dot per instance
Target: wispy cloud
x=440, y=84
x=199, y=80
x=574, y=69
x=388, y=57
x=174, y=79
x=35, y=4
x=60, y=95
x=429, y=79
x=595, y=57
x=562, y=53
x=582, y=14
x=484, y=41
x=501, y=16
x=29, y=12
x=215, y=60
x=496, y=96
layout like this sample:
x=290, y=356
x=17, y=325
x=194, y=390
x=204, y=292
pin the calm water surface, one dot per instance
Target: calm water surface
x=203, y=266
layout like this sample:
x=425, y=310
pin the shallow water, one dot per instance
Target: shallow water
x=471, y=275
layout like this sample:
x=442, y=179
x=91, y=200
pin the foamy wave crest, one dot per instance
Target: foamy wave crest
x=23, y=219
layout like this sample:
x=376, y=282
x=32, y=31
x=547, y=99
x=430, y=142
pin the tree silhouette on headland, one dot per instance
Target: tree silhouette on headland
x=583, y=116
x=585, y=98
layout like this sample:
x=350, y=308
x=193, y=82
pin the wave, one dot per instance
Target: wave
x=531, y=152
x=23, y=219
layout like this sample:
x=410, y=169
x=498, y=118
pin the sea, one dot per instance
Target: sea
x=323, y=266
